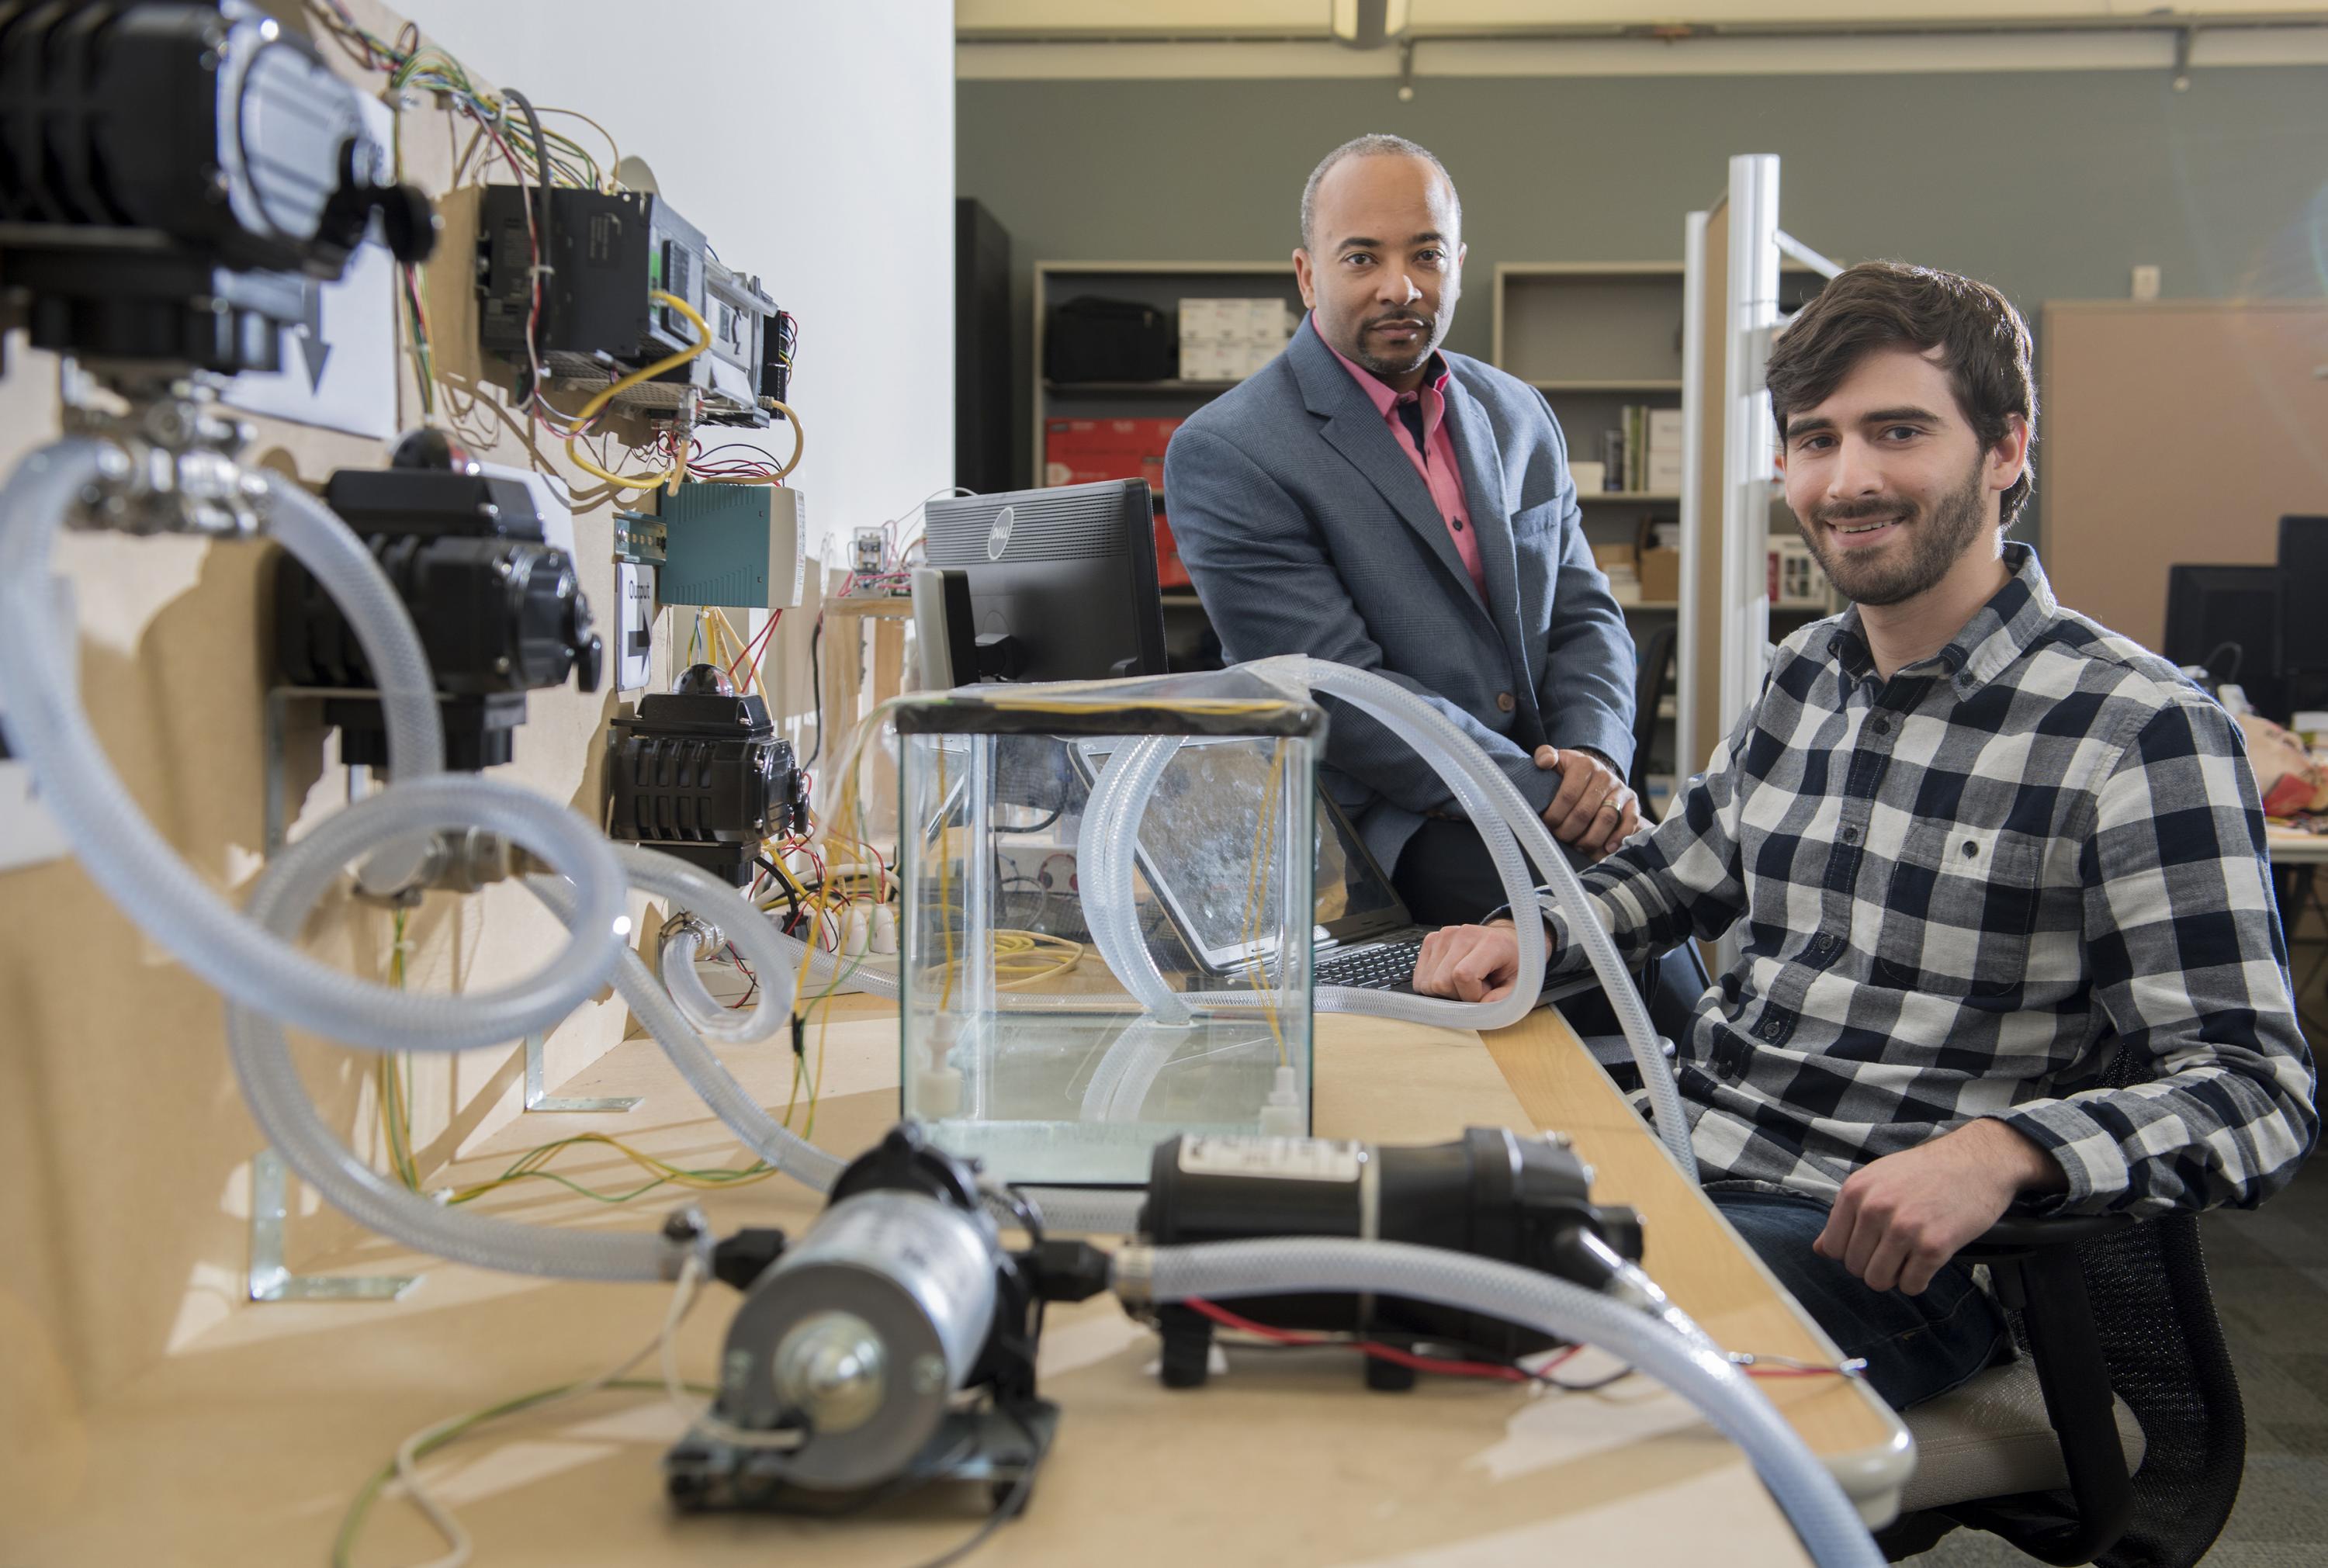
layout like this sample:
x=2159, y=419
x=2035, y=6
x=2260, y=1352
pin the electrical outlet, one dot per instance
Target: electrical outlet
x=2145, y=283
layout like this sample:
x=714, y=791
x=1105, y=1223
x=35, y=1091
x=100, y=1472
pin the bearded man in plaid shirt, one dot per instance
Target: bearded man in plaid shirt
x=1985, y=850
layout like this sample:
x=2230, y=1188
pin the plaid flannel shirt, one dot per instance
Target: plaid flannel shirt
x=1965, y=889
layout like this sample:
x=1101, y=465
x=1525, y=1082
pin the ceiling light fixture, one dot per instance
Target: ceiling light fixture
x=1370, y=24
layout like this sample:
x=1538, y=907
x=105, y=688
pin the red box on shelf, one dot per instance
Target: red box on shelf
x=1082, y=451
x=1079, y=451
x=1169, y=572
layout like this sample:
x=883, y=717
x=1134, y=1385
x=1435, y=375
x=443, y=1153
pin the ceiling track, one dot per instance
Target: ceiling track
x=1685, y=31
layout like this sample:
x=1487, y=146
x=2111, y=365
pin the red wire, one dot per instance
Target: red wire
x=750, y=648
x=1486, y=1369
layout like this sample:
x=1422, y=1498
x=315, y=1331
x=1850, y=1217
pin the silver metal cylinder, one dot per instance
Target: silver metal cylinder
x=864, y=1331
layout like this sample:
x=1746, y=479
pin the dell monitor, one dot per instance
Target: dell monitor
x=1056, y=585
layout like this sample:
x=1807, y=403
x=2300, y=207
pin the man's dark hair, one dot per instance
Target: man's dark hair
x=1983, y=342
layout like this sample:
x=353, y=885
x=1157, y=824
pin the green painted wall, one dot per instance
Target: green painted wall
x=2051, y=185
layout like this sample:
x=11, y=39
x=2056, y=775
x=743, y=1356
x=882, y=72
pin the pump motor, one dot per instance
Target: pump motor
x=1491, y=1193
x=498, y=607
x=893, y=1344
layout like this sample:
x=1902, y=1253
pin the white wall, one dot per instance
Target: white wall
x=814, y=143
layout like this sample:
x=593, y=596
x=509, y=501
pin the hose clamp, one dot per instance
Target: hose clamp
x=1132, y=1276
x=687, y=923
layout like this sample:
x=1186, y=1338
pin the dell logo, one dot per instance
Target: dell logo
x=998, y=538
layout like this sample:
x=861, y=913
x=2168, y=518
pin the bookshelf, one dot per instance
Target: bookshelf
x=1163, y=283
x=1594, y=336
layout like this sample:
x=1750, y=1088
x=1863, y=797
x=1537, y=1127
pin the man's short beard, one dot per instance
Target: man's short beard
x=1935, y=543
x=1433, y=331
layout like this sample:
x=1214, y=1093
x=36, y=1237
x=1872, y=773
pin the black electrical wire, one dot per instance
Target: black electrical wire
x=783, y=885
x=815, y=692
x=1012, y=1504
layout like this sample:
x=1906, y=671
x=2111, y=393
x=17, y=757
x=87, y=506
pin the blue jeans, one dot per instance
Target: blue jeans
x=1916, y=1347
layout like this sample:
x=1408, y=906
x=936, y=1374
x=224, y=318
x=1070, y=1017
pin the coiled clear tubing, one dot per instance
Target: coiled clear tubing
x=289, y=888
x=739, y=921
x=168, y=898
x=1514, y=835
x=1665, y=1346
x=652, y=1005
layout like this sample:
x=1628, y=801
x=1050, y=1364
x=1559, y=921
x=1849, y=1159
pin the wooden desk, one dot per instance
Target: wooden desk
x=2293, y=847
x=244, y=1443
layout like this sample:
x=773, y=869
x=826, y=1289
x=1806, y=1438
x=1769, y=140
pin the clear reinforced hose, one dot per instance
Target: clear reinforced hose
x=694, y=891
x=1101, y=1211
x=652, y=1005
x=175, y=905
x=286, y=893
x=1686, y=1362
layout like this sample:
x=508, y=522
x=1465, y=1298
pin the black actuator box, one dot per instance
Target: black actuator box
x=698, y=773
x=499, y=609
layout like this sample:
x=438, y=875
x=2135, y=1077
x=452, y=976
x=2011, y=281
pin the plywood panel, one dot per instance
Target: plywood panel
x=123, y=1145
x=2175, y=432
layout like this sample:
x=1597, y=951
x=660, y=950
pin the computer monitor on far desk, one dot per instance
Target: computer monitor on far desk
x=1040, y=584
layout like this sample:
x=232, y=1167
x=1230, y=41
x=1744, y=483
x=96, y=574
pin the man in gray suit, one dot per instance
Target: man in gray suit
x=1369, y=499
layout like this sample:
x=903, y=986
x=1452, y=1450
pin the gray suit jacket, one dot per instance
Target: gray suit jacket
x=1306, y=531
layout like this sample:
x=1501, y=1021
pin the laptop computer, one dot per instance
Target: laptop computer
x=1195, y=850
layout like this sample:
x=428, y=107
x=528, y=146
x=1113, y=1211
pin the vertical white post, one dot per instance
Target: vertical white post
x=1694, y=391
x=1748, y=445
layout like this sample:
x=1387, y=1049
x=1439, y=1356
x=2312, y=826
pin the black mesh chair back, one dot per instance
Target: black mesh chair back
x=1651, y=681
x=2154, y=1320
x=2165, y=1349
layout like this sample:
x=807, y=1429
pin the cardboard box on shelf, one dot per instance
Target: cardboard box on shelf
x=1658, y=562
x=1228, y=339
x=1660, y=573
x=1663, y=466
x=1616, y=562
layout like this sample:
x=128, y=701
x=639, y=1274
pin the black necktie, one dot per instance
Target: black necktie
x=1410, y=414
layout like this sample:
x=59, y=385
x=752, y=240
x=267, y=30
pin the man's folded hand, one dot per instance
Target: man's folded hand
x=1593, y=811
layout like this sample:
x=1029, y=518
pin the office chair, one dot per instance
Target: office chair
x=1653, y=678
x=2118, y=1438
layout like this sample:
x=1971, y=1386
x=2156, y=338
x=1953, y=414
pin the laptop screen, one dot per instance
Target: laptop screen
x=1195, y=844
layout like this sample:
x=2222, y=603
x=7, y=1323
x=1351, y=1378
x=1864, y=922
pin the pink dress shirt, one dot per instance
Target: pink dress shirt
x=1435, y=461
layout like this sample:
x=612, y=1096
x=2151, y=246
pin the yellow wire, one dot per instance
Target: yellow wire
x=613, y=179
x=1219, y=705
x=945, y=883
x=1257, y=896
x=741, y=644
x=671, y=362
x=678, y=1176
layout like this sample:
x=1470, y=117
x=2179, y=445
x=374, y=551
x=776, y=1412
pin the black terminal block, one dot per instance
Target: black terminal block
x=699, y=773
x=499, y=609
x=604, y=255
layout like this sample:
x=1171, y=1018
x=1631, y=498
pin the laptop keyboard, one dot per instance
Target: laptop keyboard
x=1382, y=966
